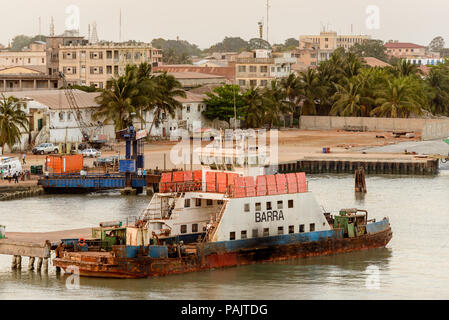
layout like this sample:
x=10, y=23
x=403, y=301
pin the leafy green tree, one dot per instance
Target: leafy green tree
x=275, y=104
x=292, y=86
x=220, y=103
x=404, y=68
x=312, y=91
x=437, y=44
x=229, y=44
x=349, y=100
x=176, y=51
x=370, y=48
x=21, y=41
x=12, y=120
x=438, y=81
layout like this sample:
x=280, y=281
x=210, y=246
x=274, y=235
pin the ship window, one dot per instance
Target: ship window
x=290, y=203
x=194, y=227
x=220, y=202
x=198, y=202
x=209, y=202
x=184, y=228
x=312, y=227
x=246, y=207
x=266, y=232
x=280, y=204
x=301, y=228
x=258, y=206
x=231, y=235
x=280, y=230
x=243, y=234
x=268, y=205
x=186, y=203
x=291, y=229
x=255, y=233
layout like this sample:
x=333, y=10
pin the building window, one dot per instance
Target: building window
x=266, y=232
x=252, y=69
x=109, y=54
x=290, y=203
x=243, y=234
x=263, y=83
x=280, y=230
x=184, y=228
x=264, y=69
x=198, y=202
x=242, y=68
x=209, y=202
x=242, y=82
x=232, y=235
x=199, y=108
x=188, y=108
x=255, y=233
x=258, y=206
x=109, y=69
x=61, y=116
x=269, y=206
x=312, y=227
x=301, y=228
x=186, y=203
x=291, y=229
x=246, y=207
x=195, y=227
x=253, y=83
x=280, y=204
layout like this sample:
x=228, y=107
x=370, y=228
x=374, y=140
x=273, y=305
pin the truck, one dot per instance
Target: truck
x=9, y=166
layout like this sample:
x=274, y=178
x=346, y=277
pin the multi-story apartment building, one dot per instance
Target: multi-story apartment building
x=405, y=50
x=34, y=57
x=88, y=64
x=259, y=70
x=330, y=40
x=95, y=64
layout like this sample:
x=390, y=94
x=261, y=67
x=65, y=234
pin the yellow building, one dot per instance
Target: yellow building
x=329, y=40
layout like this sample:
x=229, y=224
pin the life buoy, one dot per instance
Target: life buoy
x=82, y=242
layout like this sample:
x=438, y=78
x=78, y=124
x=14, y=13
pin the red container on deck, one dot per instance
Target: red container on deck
x=64, y=164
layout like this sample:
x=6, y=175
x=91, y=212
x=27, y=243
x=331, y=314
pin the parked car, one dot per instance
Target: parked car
x=91, y=153
x=109, y=161
x=44, y=148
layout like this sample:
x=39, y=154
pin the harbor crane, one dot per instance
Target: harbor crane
x=88, y=131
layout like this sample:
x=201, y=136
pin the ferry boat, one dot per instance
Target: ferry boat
x=221, y=216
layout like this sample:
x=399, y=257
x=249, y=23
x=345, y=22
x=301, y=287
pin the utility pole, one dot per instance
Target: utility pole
x=120, y=26
x=235, y=109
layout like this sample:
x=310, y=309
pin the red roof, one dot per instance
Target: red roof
x=397, y=45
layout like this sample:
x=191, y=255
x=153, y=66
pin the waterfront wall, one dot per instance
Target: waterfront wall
x=429, y=128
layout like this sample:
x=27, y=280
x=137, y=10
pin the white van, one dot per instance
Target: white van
x=9, y=166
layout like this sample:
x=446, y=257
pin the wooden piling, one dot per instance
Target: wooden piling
x=360, y=184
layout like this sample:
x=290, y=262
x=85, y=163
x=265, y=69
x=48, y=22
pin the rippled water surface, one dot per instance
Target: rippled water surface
x=413, y=266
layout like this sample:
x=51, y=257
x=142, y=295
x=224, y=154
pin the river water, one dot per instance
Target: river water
x=413, y=266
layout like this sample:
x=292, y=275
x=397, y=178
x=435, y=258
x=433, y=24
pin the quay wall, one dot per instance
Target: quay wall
x=430, y=128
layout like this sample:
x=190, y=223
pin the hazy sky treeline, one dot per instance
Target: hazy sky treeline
x=205, y=22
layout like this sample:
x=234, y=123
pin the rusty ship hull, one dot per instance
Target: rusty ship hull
x=211, y=255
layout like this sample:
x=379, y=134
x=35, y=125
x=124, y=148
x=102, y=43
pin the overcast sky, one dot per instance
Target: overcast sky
x=206, y=22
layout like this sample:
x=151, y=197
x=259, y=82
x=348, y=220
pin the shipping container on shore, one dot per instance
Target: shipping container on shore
x=64, y=164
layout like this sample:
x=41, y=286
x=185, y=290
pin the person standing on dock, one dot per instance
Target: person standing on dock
x=23, y=158
x=16, y=178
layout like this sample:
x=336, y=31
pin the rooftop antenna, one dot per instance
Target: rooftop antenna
x=260, y=23
x=352, y=29
x=88, y=32
x=268, y=9
x=52, y=27
x=94, y=35
x=40, y=26
x=120, y=26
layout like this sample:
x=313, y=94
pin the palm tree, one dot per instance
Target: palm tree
x=253, y=108
x=292, y=87
x=12, y=120
x=312, y=91
x=349, y=100
x=405, y=68
x=397, y=100
x=168, y=88
x=438, y=81
x=116, y=101
x=275, y=103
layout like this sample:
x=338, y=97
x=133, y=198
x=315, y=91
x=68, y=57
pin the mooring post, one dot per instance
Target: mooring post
x=360, y=184
x=31, y=263
x=39, y=264
x=14, y=262
x=19, y=262
x=45, y=264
